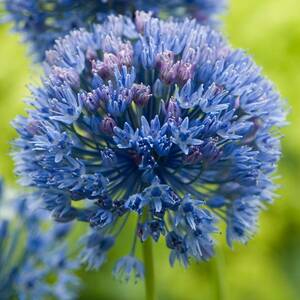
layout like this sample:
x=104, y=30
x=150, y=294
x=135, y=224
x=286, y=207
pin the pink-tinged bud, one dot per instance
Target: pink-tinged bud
x=107, y=125
x=98, y=67
x=33, y=127
x=104, y=94
x=169, y=75
x=52, y=57
x=59, y=76
x=184, y=72
x=223, y=52
x=194, y=156
x=91, y=100
x=106, y=68
x=251, y=136
x=219, y=89
x=141, y=18
x=237, y=102
x=110, y=59
x=91, y=54
x=126, y=95
x=173, y=110
x=164, y=60
x=141, y=94
x=125, y=55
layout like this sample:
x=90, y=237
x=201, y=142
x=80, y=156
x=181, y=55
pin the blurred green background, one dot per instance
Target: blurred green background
x=269, y=266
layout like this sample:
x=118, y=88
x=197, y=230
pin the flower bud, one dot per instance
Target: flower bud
x=33, y=127
x=126, y=95
x=141, y=94
x=105, y=94
x=52, y=57
x=107, y=125
x=184, y=73
x=164, y=60
x=195, y=155
x=91, y=100
x=169, y=75
x=173, y=110
x=91, y=54
x=59, y=76
x=223, y=51
x=106, y=68
x=125, y=55
x=141, y=18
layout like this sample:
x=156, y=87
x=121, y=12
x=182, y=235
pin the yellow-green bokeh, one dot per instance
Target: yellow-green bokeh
x=269, y=266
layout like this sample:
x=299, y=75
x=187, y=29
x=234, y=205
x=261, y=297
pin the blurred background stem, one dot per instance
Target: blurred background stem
x=219, y=274
x=149, y=269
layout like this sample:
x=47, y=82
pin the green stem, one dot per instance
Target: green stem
x=149, y=269
x=219, y=275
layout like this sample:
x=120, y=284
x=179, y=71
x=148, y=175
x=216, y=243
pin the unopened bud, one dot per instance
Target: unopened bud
x=91, y=54
x=33, y=127
x=52, y=57
x=141, y=18
x=104, y=93
x=107, y=125
x=184, y=73
x=141, y=94
x=126, y=95
x=106, y=68
x=169, y=75
x=125, y=55
x=59, y=76
x=164, y=60
x=195, y=155
x=91, y=100
x=173, y=110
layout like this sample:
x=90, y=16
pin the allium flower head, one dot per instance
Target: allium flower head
x=165, y=121
x=32, y=253
x=42, y=21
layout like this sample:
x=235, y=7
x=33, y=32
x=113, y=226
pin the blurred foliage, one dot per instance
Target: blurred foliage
x=269, y=266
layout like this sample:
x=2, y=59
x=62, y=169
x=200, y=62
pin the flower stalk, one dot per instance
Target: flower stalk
x=148, y=264
x=219, y=266
x=149, y=270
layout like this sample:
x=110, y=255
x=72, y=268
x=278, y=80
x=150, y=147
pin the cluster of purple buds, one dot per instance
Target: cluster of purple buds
x=171, y=72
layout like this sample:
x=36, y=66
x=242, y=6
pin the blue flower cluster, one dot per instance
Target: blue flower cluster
x=158, y=119
x=33, y=256
x=41, y=22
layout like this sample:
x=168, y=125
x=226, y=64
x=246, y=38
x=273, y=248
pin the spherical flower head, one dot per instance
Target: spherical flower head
x=182, y=134
x=41, y=22
x=32, y=251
